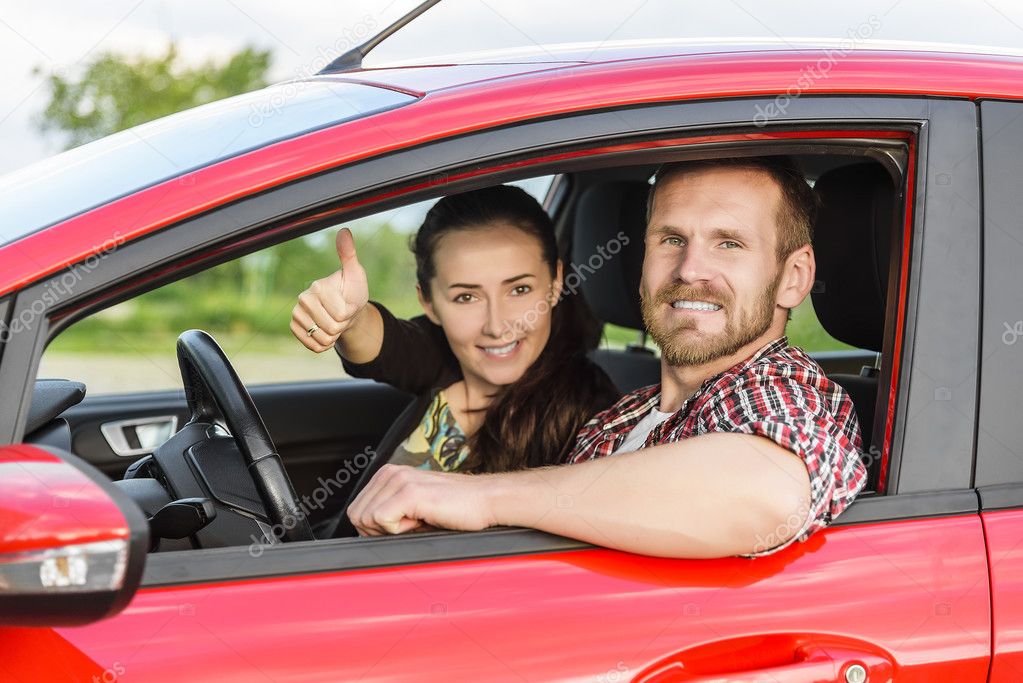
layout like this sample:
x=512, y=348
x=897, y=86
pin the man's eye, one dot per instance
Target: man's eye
x=521, y=289
x=674, y=241
x=730, y=244
x=464, y=298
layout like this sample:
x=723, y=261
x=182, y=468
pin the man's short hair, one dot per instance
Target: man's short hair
x=799, y=202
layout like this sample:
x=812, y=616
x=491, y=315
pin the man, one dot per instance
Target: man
x=744, y=446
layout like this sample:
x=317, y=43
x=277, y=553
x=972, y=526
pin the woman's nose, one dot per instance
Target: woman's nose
x=496, y=324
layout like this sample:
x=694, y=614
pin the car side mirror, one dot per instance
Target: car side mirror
x=72, y=546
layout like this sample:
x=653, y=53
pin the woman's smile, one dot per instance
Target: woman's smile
x=505, y=352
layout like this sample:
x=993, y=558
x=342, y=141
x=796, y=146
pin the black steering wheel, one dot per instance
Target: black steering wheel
x=213, y=391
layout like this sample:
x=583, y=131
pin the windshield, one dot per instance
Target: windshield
x=507, y=29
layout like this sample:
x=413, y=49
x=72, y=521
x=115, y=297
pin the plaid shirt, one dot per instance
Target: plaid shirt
x=779, y=393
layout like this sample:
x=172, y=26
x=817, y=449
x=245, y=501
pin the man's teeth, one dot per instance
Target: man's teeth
x=500, y=350
x=695, y=305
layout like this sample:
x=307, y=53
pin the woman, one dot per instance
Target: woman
x=499, y=359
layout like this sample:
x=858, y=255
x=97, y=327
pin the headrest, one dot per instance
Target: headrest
x=607, y=269
x=852, y=241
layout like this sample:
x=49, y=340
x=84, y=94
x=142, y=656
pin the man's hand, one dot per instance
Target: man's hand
x=332, y=304
x=400, y=498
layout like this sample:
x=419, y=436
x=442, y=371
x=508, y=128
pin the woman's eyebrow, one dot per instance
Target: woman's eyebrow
x=464, y=285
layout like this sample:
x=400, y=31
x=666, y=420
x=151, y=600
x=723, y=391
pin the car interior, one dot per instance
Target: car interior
x=211, y=484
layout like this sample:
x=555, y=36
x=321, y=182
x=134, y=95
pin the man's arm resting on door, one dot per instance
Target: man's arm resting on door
x=714, y=495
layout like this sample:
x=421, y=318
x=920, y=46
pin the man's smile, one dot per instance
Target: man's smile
x=691, y=305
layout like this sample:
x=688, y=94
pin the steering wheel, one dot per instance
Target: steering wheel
x=213, y=391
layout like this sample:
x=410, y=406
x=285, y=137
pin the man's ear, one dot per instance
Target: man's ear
x=427, y=306
x=798, y=273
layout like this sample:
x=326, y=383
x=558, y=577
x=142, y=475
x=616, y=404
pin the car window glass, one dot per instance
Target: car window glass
x=246, y=305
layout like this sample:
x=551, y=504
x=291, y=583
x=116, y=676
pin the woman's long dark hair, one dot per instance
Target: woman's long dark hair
x=533, y=421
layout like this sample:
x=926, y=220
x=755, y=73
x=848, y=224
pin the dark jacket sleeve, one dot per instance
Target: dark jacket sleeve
x=414, y=357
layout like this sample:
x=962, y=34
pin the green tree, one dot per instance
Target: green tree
x=113, y=92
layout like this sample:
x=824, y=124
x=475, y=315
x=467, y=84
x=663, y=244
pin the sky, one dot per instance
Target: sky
x=60, y=36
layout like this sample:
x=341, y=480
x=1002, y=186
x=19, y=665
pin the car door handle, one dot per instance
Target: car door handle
x=138, y=436
x=778, y=659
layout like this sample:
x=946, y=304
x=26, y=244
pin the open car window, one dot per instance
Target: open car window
x=246, y=305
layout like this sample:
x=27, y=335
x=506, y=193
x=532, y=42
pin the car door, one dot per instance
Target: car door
x=898, y=586
x=999, y=475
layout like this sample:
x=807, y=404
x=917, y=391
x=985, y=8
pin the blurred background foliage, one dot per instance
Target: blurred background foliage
x=112, y=92
x=246, y=303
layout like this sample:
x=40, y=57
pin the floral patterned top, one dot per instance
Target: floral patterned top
x=437, y=443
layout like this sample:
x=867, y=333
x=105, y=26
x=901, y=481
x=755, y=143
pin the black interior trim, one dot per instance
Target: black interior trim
x=222, y=564
x=50, y=398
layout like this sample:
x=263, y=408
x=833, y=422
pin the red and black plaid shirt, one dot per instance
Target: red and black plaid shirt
x=779, y=393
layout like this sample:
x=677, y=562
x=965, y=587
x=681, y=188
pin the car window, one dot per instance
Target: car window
x=246, y=305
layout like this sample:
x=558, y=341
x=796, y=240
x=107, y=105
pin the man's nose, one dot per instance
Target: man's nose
x=694, y=264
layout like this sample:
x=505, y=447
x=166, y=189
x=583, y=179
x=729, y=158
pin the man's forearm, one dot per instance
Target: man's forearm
x=710, y=496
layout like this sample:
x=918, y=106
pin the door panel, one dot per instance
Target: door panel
x=999, y=469
x=912, y=594
x=315, y=426
x=1004, y=531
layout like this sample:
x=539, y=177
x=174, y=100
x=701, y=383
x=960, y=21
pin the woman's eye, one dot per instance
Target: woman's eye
x=522, y=289
x=464, y=298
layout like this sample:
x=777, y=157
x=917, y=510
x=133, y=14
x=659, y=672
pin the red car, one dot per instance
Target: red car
x=918, y=158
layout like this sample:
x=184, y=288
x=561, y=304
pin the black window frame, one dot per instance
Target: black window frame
x=999, y=463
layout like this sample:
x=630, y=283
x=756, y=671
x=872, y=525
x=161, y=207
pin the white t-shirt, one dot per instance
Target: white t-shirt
x=637, y=437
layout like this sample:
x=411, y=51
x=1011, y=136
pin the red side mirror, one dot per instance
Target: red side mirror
x=72, y=546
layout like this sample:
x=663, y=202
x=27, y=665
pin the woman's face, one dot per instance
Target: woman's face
x=493, y=295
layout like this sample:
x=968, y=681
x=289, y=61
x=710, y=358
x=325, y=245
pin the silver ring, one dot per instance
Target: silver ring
x=312, y=329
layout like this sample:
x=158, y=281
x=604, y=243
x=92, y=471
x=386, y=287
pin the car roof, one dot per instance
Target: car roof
x=424, y=75
x=615, y=50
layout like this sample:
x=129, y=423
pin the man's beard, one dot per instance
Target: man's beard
x=741, y=328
